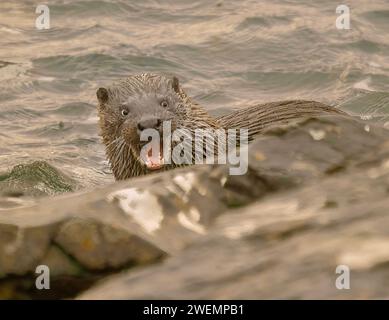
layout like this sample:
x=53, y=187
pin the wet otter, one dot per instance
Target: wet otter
x=148, y=100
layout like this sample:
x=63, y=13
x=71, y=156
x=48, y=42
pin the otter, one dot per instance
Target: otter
x=146, y=101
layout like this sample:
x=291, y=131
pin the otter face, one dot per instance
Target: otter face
x=129, y=108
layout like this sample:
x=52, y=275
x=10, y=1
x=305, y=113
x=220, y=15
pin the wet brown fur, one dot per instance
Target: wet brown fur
x=120, y=136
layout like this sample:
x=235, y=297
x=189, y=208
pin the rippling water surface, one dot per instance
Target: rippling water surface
x=228, y=54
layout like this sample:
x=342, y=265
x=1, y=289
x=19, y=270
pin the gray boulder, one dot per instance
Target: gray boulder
x=314, y=197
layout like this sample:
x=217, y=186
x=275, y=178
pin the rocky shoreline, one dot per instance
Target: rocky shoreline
x=315, y=197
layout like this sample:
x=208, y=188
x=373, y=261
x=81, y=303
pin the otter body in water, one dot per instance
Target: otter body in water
x=147, y=100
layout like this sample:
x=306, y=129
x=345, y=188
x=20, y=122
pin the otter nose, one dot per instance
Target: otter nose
x=149, y=123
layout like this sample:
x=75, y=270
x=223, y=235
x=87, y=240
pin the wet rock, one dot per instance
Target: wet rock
x=315, y=196
x=316, y=148
x=60, y=263
x=97, y=246
x=119, y=226
x=34, y=179
x=288, y=246
x=290, y=243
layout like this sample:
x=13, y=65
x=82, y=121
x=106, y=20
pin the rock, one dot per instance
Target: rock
x=285, y=247
x=315, y=196
x=119, y=226
x=332, y=210
x=34, y=179
x=99, y=246
x=314, y=149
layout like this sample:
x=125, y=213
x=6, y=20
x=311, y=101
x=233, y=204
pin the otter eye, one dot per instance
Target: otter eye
x=124, y=112
x=164, y=104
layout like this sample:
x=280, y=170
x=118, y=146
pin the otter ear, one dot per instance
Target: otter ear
x=102, y=95
x=175, y=84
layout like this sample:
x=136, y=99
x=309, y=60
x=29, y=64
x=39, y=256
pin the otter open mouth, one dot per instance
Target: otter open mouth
x=152, y=157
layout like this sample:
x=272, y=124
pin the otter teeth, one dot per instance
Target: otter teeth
x=153, y=162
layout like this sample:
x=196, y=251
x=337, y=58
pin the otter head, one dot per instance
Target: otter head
x=131, y=106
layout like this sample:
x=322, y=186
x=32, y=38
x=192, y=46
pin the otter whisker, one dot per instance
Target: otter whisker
x=142, y=95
